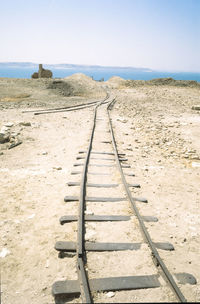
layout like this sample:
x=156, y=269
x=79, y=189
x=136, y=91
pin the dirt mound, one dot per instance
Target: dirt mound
x=77, y=85
x=162, y=82
x=170, y=81
x=62, y=87
x=116, y=82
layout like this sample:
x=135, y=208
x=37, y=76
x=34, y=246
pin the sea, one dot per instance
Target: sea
x=99, y=73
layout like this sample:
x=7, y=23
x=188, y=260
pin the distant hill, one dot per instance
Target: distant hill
x=68, y=66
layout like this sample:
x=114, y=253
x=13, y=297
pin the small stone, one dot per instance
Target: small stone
x=47, y=264
x=4, y=252
x=88, y=212
x=3, y=138
x=196, y=107
x=110, y=294
x=191, y=151
x=44, y=153
x=195, y=165
x=25, y=124
x=9, y=124
x=4, y=135
x=31, y=216
x=15, y=144
x=122, y=120
x=57, y=168
x=195, y=157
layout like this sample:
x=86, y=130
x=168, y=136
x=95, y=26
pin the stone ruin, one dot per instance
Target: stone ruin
x=42, y=73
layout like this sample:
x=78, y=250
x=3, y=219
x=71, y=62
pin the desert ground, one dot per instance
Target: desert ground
x=157, y=125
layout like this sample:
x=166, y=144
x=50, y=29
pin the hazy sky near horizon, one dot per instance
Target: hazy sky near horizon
x=157, y=34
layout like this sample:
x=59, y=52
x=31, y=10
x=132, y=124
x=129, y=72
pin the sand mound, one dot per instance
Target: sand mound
x=172, y=82
x=116, y=82
x=163, y=82
x=77, y=85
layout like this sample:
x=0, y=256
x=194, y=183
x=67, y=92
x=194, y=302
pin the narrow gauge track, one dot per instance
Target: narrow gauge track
x=66, y=109
x=85, y=285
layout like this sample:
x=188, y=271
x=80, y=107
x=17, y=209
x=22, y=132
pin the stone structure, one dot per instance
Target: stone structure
x=42, y=73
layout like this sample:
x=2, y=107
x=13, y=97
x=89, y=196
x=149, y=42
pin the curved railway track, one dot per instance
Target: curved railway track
x=65, y=109
x=115, y=172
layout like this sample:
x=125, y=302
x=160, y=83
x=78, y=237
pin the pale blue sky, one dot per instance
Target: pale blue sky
x=157, y=34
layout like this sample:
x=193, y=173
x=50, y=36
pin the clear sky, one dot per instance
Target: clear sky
x=157, y=34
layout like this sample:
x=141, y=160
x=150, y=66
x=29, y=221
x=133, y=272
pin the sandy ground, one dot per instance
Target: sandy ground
x=155, y=127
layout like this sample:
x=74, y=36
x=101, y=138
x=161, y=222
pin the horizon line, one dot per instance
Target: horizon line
x=106, y=66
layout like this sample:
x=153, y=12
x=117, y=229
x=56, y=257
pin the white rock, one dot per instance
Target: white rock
x=4, y=130
x=110, y=294
x=47, y=264
x=4, y=252
x=9, y=124
x=31, y=216
x=195, y=165
x=88, y=212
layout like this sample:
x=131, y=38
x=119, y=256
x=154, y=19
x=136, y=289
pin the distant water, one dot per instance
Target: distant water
x=99, y=73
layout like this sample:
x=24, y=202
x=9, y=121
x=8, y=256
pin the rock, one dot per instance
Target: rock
x=122, y=120
x=47, y=264
x=4, y=252
x=9, y=124
x=195, y=157
x=31, y=216
x=110, y=294
x=195, y=165
x=196, y=107
x=25, y=124
x=88, y=212
x=57, y=168
x=15, y=144
x=34, y=75
x=3, y=138
x=4, y=135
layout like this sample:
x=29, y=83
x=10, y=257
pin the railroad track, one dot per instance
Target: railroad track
x=66, y=109
x=102, y=161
